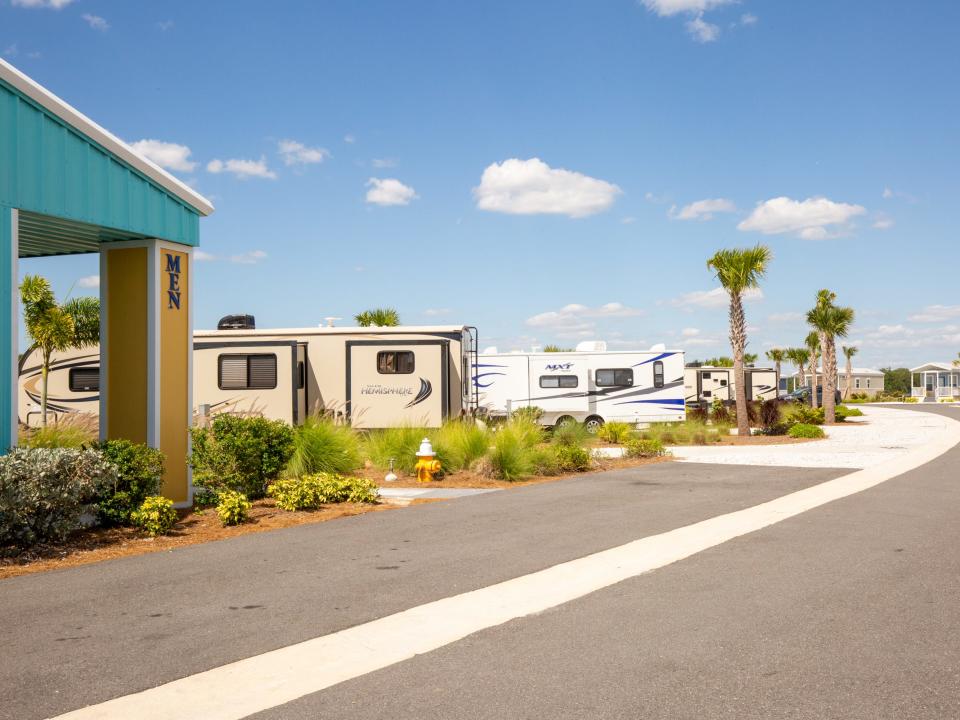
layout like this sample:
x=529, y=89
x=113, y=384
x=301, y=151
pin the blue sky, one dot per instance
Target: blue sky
x=548, y=171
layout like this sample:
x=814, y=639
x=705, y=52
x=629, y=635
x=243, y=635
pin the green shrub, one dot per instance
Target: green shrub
x=139, y=475
x=769, y=413
x=512, y=455
x=531, y=414
x=803, y=430
x=233, y=508
x=572, y=458
x=544, y=460
x=779, y=428
x=698, y=413
x=683, y=433
x=155, y=516
x=910, y=400
x=800, y=413
x=312, y=491
x=399, y=444
x=843, y=412
x=572, y=434
x=240, y=453
x=44, y=491
x=459, y=443
x=616, y=432
x=644, y=448
x=720, y=412
x=320, y=445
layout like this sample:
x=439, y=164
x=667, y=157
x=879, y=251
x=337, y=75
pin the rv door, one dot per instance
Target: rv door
x=397, y=382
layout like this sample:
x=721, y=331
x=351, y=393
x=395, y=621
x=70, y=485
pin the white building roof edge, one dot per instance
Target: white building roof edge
x=337, y=330
x=946, y=367
x=108, y=140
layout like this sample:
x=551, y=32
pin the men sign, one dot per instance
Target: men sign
x=173, y=288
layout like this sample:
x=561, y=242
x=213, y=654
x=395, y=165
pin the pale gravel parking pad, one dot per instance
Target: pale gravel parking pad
x=883, y=435
x=141, y=621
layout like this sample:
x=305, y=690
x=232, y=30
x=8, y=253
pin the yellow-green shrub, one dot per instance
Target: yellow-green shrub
x=644, y=448
x=615, y=432
x=155, y=516
x=311, y=491
x=233, y=508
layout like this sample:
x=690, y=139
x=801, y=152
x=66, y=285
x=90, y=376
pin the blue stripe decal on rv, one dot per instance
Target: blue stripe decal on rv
x=667, y=401
x=476, y=378
x=661, y=356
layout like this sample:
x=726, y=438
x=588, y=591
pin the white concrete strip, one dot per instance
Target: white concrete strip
x=281, y=676
x=880, y=436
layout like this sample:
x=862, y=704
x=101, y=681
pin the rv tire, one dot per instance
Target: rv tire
x=564, y=420
x=593, y=424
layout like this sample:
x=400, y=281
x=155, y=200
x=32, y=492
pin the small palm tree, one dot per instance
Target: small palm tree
x=956, y=362
x=777, y=356
x=739, y=270
x=830, y=322
x=556, y=349
x=799, y=357
x=53, y=327
x=378, y=317
x=750, y=358
x=813, y=347
x=848, y=353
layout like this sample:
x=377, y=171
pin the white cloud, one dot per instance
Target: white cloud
x=936, y=313
x=296, y=153
x=701, y=30
x=349, y=139
x=165, y=25
x=702, y=209
x=10, y=50
x=242, y=169
x=90, y=281
x=786, y=317
x=389, y=191
x=716, y=298
x=96, y=22
x=887, y=193
x=666, y=8
x=202, y=256
x=656, y=199
x=690, y=332
x=384, y=162
x=748, y=19
x=167, y=155
x=531, y=187
x=249, y=258
x=883, y=222
x=434, y=312
x=49, y=4
x=628, y=220
x=812, y=219
x=577, y=321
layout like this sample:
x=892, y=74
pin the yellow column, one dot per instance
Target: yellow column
x=146, y=344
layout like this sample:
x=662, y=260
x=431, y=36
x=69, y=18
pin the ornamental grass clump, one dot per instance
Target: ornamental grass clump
x=645, y=448
x=617, y=432
x=72, y=430
x=399, y=444
x=320, y=445
x=459, y=443
x=570, y=433
x=515, y=452
x=156, y=516
x=44, y=491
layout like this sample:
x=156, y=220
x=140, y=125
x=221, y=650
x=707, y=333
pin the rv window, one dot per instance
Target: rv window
x=301, y=375
x=558, y=381
x=658, y=374
x=399, y=362
x=619, y=377
x=706, y=375
x=84, y=379
x=723, y=383
x=247, y=372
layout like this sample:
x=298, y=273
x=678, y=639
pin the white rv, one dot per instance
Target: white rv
x=370, y=377
x=706, y=383
x=584, y=386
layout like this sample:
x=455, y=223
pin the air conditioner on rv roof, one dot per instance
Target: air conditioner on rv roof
x=592, y=346
x=237, y=322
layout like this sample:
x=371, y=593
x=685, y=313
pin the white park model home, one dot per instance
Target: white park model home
x=935, y=380
x=862, y=380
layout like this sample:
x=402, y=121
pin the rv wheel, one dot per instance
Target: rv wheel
x=564, y=420
x=593, y=424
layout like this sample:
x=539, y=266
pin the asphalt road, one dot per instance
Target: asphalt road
x=849, y=610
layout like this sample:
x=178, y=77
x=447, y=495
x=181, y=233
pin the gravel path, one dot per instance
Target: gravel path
x=882, y=434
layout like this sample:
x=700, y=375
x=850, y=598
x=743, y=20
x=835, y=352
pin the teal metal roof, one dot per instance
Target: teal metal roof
x=77, y=185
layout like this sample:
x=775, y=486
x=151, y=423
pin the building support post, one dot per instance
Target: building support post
x=9, y=326
x=146, y=339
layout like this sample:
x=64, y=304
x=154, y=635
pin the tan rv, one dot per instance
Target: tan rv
x=706, y=383
x=369, y=377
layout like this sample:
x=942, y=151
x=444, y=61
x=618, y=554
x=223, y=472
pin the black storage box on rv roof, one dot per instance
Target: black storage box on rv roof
x=237, y=322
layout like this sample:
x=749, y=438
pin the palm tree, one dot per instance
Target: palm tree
x=750, y=358
x=777, y=356
x=848, y=353
x=378, y=317
x=799, y=357
x=53, y=327
x=956, y=362
x=813, y=347
x=739, y=270
x=830, y=322
x=556, y=349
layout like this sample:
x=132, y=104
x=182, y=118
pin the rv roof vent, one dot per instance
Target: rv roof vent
x=237, y=322
x=492, y=350
x=330, y=321
x=592, y=346
x=659, y=347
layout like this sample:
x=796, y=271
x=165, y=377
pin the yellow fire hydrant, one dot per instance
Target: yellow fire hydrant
x=426, y=466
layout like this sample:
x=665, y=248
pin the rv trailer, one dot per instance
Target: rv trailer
x=708, y=383
x=583, y=386
x=370, y=377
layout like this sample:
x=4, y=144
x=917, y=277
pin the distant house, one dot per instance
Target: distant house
x=935, y=380
x=862, y=380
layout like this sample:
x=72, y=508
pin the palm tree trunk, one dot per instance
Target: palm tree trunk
x=738, y=341
x=813, y=380
x=829, y=379
x=44, y=374
x=846, y=390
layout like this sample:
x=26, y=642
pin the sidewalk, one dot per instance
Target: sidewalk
x=880, y=435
